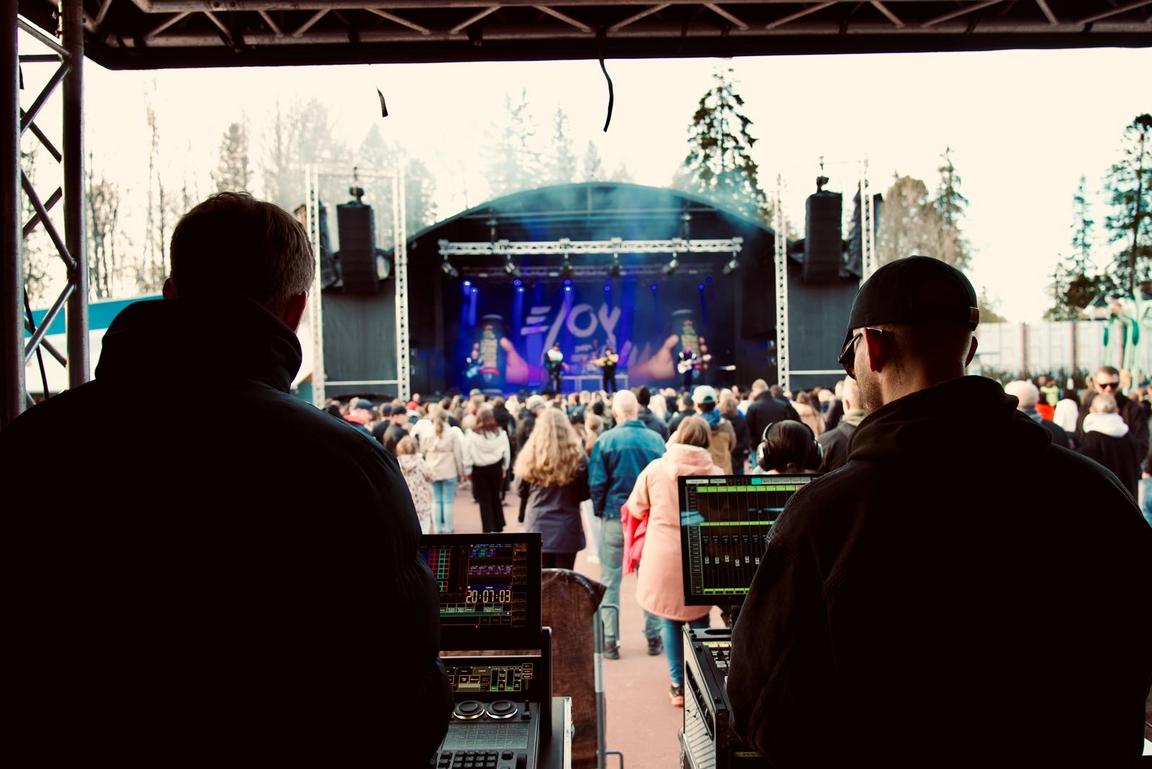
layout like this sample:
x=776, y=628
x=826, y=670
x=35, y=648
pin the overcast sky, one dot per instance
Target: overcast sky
x=1023, y=126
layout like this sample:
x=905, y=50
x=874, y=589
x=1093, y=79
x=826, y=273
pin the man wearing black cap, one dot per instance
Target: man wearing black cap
x=916, y=607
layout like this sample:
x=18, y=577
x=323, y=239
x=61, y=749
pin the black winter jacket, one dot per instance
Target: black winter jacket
x=960, y=593
x=210, y=570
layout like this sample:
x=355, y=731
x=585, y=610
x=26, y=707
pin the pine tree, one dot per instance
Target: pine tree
x=514, y=160
x=232, y=174
x=561, y=163
x=1073, y=284
x=951, y=204
x=719, y=163
x=381, y=157
x=1129, y=225
x=909, y=223
x=593, y=164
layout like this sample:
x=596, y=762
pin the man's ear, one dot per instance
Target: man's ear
x=294, y=310
x=971, y=351
x=880, y=349
x=169, y=290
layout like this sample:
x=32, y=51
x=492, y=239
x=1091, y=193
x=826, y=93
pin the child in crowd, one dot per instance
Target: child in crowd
x=418, y=475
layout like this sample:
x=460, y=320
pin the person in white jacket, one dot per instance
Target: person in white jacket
x=486, y=460
x=443, y=448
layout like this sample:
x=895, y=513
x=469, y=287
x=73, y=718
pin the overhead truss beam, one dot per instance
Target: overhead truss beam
x=575, y=247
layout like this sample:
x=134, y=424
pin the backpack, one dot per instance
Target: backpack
x=720, y=445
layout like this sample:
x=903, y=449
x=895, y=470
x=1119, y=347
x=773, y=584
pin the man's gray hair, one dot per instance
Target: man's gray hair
x=624, y=405
x=235, y=245
x=1027, y=393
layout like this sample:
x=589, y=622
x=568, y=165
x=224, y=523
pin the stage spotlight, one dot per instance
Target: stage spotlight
x=615, y=270
x=448, y=269
x=731, y=266
x=672, y=266
x=511, y=268
x=566, y=268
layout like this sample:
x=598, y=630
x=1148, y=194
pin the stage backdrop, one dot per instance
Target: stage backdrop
x=647, y=322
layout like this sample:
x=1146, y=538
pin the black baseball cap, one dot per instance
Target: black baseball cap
x=914, y=290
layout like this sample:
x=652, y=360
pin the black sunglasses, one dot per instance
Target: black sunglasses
x=847, y=357
x=1108, y=385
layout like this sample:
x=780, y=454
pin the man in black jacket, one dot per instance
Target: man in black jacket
x=763, y=411
x=961, y=592
x=243, y=586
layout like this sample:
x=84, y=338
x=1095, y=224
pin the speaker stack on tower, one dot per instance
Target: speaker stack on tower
x=823, y=250
x=357, y=248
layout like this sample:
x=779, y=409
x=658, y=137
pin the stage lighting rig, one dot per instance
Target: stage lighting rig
x=566, y=268
x=672, y=266
x=615, y=270
x=448, y=269
x=510, y=267
x=733, y=263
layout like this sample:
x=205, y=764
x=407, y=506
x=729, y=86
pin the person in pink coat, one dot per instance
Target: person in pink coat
x=660, y=585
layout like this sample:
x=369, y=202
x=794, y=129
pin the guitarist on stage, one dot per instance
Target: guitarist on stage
x=686, y=365
x=472, y=366
x=554, y=364
x=607, y=361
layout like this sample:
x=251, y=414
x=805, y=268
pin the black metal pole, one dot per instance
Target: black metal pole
x=11, y=269
x=74, y=224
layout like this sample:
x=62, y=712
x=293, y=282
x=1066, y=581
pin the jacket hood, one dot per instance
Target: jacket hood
x=185, y=340
x=689, y=460
x=853, y=417
x=968, y=416
x=1112, y=425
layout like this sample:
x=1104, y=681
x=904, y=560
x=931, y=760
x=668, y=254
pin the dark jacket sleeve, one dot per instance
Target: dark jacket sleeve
x=781, y=681
x=523, y=489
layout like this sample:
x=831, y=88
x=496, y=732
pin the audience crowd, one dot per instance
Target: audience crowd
x=588, y=463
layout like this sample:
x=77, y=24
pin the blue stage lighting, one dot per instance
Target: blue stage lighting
x=517, y=282
x=467, y=283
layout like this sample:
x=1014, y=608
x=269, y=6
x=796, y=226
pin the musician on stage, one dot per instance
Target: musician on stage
x=554, y=364
x=607, y=361
x=686, y=365
x=472, y=365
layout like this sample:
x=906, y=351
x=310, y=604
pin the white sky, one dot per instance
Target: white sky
x=1023, y=126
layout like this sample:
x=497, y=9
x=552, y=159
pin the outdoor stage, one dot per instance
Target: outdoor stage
x=650, y=272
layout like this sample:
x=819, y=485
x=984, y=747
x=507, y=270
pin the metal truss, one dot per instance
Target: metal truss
x=580, y=272
x=403, y=381
x=158, y=33
x=867, y=224
x=564, y=247
x=68, y=58
x=780, y=238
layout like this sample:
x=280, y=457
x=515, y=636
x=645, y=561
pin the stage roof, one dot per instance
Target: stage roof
x=153, y=34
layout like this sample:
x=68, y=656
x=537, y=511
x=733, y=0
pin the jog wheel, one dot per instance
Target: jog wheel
x=468, y=710
x=502, y=709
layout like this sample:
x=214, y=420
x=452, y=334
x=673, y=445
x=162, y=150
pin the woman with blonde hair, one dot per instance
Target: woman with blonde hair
x=552, y=475
x=443, y=448
x=418, y=475
x=660, y=584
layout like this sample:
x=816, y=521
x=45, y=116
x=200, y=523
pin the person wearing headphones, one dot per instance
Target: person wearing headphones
x=788, y=448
